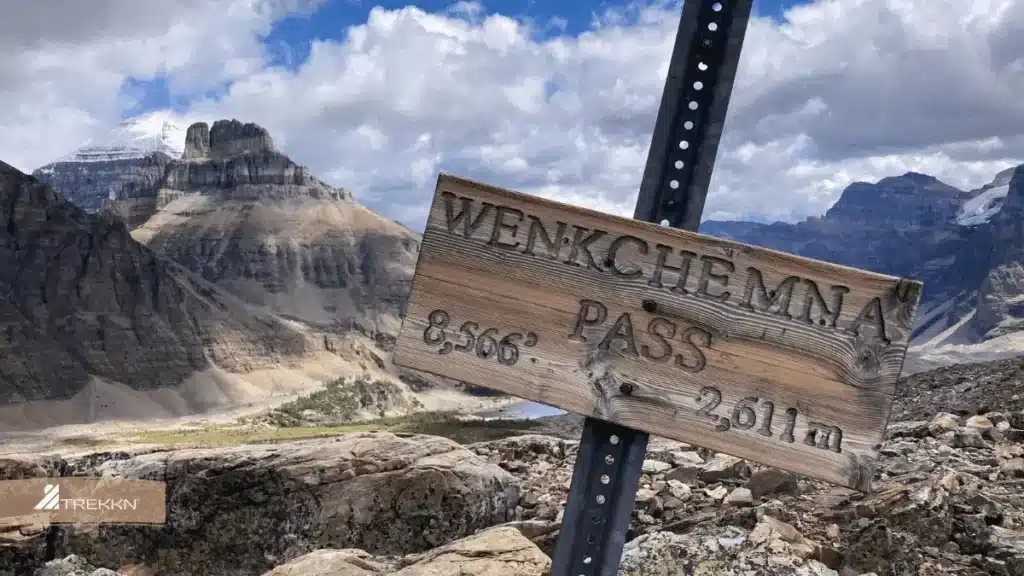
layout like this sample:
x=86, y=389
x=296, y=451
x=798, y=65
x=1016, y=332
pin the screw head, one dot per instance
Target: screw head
x=649, y=306
x=626, y=388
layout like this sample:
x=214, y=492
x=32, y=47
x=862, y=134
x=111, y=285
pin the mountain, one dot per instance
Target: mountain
x=92, y=322
x=136, y=151
x=966, y=246
x=246, y=217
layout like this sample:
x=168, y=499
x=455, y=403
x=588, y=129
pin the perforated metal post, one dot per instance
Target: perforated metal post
x=672, y=192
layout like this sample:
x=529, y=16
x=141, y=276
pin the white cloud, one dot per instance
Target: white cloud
x=843, y=90
x=63, y=63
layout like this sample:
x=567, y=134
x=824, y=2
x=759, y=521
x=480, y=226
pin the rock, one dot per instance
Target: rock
x=739, y=497
x=963, y=437
x=984, y=426
x=685, y=474
x=230, y=138
x=330, y=563
x=72, y=565
x=197, y=141
x=373, y=491
x=655, y=467
x=495, y=552
x=724, y=467
x=1013, y=468
x=687, y=458
x=772, y=481
x=716, y=493
x=498, y=551
x=678, y=490
x=942, y=423
x=1016, y=420
x=645, y=495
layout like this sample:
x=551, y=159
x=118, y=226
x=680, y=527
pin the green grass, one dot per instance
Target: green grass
x=433, y=423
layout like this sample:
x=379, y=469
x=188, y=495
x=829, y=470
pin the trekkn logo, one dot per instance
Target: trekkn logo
x=52, y=501
x=85, y=500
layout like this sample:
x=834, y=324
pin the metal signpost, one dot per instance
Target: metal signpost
x=647, y=329
x=675, y=183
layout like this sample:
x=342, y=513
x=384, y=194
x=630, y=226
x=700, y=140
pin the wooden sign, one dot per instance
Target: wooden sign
x=778, y=359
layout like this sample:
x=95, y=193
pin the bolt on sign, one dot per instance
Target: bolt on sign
x=81, y=500
x=771, y=357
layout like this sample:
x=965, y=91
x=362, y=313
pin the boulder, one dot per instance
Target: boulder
x=244, y=509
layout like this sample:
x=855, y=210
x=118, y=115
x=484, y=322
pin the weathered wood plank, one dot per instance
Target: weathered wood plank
x=768, y=356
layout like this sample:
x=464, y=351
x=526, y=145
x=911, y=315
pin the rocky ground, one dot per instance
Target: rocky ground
x=948, y=499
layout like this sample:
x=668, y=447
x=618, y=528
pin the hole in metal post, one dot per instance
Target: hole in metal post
x=614, y=440
x=717, y=7
x=712, y=26
x=688, y=125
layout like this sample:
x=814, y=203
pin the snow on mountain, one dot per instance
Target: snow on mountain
x=979, y=209
x=137, y=137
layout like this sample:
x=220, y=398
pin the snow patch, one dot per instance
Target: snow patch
x=979, y=209
x=138, y=137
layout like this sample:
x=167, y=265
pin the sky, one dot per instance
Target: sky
x=555, y=98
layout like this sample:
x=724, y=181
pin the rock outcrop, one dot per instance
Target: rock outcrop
x=1001, y=295
x=249, y=219
x=246, y=509
x=80, y=300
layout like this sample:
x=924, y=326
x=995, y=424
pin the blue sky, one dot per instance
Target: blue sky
x=289, y=41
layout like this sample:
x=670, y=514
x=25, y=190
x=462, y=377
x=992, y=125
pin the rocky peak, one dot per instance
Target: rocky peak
x=227, y=138
x=912, y=199
x=197, y=141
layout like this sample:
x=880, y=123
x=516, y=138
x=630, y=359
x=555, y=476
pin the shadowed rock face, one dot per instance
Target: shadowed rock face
x=1000, y=305
x=80, y=298
x=89, y=184
x=249, y=219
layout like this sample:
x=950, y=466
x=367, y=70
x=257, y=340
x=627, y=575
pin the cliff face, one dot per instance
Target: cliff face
x=79, y=298
x=248, y=218
x=1000, y=303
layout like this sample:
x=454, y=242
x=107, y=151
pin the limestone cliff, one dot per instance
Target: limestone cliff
x=1000, y=305
x=80, y=299
x=248, y=218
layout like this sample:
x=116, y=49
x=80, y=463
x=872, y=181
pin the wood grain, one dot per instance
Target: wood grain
x=799, y=357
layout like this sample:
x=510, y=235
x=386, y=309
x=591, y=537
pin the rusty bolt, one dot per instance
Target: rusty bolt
x=650, y=306
x=626, y=388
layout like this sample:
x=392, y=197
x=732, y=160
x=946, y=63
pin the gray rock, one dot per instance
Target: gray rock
x=115, y=311
x=724, y=467
x=739, y=497
x=377, y=492
x=772, y=481
x=655, y=466
x=197, y=141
